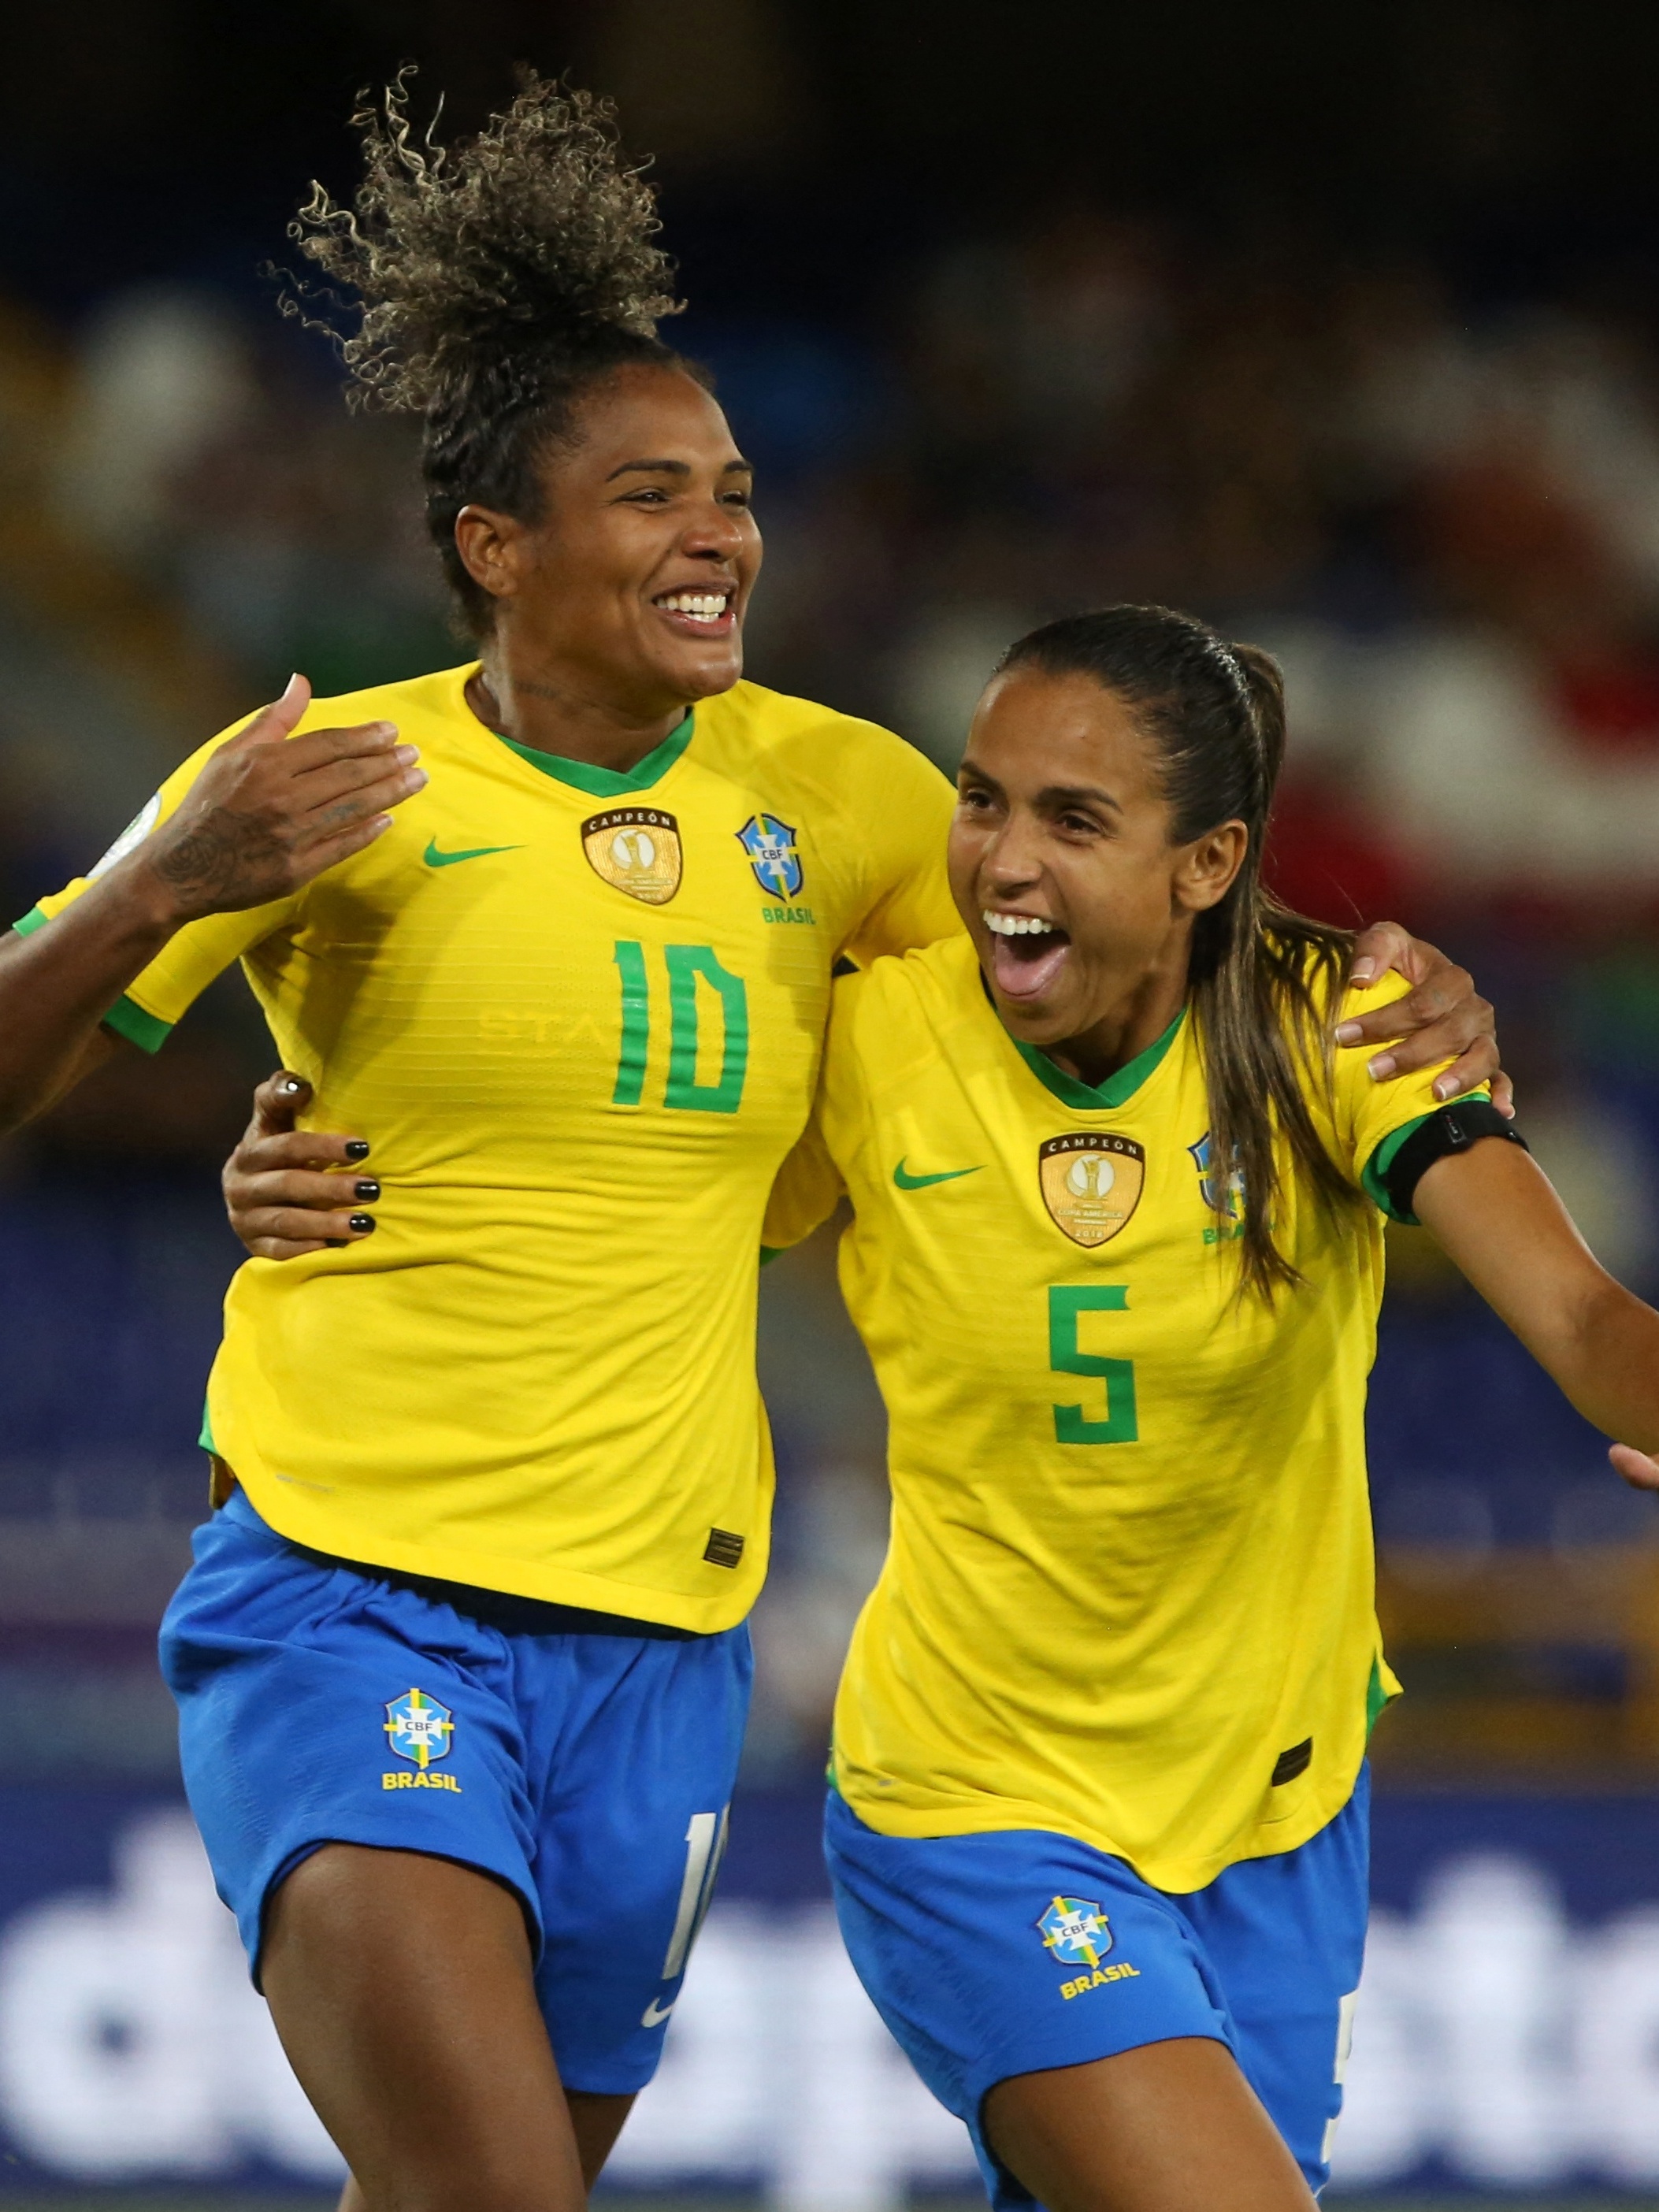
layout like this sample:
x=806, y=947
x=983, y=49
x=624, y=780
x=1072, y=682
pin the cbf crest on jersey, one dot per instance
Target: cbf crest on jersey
x=1223, y=1196
x=1076, y=1930
x=770, y=845
x=637, y=849
x=1092, y=1183
x=418, y=1728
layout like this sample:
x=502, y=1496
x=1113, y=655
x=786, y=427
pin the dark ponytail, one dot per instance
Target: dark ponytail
x=1264, y=981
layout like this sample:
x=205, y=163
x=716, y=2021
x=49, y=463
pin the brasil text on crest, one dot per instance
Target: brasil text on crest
x=635, y=849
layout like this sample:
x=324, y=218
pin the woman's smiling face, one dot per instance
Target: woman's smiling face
x=1060, y=861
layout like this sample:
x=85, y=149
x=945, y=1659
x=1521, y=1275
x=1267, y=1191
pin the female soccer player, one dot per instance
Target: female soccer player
x=461, y=1666
x=1098, y=1822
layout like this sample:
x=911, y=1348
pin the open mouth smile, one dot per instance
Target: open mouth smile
x=699, y=613
x=1027, y=953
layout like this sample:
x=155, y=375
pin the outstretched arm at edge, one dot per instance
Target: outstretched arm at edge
x=268, y=812
x=1493, y=1212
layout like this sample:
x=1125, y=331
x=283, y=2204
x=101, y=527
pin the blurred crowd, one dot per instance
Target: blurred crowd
x=1440, y=509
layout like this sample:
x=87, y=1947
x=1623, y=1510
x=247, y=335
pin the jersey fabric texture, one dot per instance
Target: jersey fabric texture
x=589, y=1772
x=1010, y=1953
x=578, y=1015
x=1129, y=1590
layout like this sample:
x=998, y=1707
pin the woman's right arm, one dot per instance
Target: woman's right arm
x=266, y=813
x=1493, y=1212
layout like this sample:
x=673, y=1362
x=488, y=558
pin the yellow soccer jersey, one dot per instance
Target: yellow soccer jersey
x=1129, y=1591
x=579, y=1016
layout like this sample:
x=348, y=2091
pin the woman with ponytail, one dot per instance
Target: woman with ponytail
x=1097, y=1822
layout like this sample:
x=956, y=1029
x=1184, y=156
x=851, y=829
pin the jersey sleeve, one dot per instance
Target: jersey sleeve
x=1375, y=1119
x=146, y=1011
x=902, y=808
x=813, y=1179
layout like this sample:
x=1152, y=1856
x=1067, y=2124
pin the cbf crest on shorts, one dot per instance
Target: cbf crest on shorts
x=1092, y=1183
x=637, y=850
x=770, y=845
x=1076, y=1930
x=418, y=1728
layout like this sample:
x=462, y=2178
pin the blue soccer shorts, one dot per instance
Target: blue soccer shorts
x=589, y=1769
x=993, y=1955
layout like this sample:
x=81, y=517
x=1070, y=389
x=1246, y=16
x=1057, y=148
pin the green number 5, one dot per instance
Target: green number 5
x=1072, y=1424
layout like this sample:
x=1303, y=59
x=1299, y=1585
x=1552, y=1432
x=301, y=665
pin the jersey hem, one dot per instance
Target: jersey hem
x=277, y=1505
x=1373, y=1176
x=1178, y=1877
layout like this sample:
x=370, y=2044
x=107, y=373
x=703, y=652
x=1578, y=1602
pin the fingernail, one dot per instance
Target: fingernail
x=291, y=1086
x=368, y=1188
x=1443, y=1086
x=336, y=1243
x=1362, y=971
x=1381, y=1068
x=361, y=1223
x=408, y=754
x=1347, y=1032
x=356, y=1148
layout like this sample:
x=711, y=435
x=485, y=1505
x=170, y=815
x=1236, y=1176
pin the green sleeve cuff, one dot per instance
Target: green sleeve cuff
x=205, y=1439
x=770, y=1252
x=1373, y=1174
x=127, y=1019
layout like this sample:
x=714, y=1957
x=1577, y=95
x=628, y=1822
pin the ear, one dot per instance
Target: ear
x=1206, y=869
x=493, y=548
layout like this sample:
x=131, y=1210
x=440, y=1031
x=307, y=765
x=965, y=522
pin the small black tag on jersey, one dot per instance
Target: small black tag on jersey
x=1289, y=1763
x=723, y=1549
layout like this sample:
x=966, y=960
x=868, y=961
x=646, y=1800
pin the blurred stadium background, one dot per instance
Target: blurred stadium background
x=1340, y=324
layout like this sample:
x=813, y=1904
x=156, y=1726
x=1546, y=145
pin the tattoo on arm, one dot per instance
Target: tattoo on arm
x=225, y=859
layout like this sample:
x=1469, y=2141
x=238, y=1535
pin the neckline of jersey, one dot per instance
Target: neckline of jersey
x=585, y=775
x=1119, y=1087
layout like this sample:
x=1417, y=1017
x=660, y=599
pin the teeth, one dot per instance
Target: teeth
x=1018, y=924
x=702, y=606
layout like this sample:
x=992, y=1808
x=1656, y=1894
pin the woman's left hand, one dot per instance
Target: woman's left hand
x=1442, y=1017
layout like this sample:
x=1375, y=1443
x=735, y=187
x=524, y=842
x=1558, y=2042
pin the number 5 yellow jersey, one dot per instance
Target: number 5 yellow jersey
x=1129, y=1590
x=579, y=1016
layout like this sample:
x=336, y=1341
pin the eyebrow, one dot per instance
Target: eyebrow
x=1054, y=794
x=674, y=469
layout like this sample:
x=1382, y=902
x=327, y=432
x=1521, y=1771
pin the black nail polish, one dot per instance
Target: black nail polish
x=356, y=1148
x=362, y=1222
x=367, y=1188
x=336, y=1243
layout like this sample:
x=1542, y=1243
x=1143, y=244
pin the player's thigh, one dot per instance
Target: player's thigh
x=402, y=1987
x=629, y=1839
x=1165, y=2127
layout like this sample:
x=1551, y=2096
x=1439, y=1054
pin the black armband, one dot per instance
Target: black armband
x=1453, y=1129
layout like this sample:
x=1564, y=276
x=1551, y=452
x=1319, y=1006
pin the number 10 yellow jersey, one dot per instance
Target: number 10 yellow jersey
x=578, y=1015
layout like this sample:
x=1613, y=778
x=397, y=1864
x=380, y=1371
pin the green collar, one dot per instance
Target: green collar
x=1116, y=1091
x=608, y=782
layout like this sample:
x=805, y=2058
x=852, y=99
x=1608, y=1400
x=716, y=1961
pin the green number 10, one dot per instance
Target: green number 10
x=1072, y=1424
x=686, y=963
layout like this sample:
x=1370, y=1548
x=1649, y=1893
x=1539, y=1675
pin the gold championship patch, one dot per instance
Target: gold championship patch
x=1092, y=1183
x=637, y=848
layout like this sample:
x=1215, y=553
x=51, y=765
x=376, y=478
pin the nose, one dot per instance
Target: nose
x=714, y=534
x=1013, y=859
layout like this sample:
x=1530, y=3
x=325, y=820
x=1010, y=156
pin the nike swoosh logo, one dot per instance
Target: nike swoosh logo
x=435, y=859
x=905, y=1181
x=655, y=2013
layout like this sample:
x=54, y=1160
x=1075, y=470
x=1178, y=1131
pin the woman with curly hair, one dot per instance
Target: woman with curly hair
x=461, y=1665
